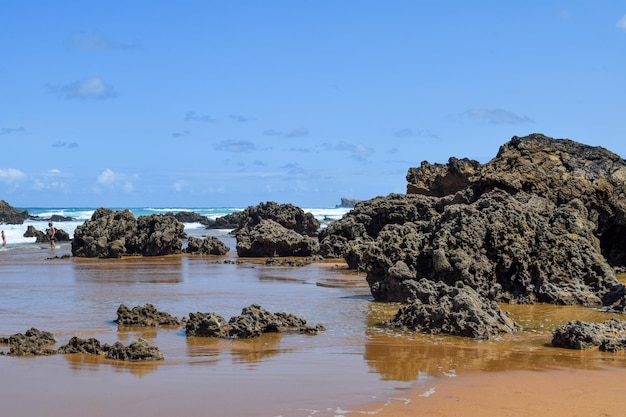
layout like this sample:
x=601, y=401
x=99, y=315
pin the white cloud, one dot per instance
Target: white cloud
x=93, y=88
x=622, y=23
x=496, y=116
x=11, y=175
x=112, y=180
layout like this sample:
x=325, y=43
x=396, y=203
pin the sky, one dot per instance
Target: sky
x=231, y=103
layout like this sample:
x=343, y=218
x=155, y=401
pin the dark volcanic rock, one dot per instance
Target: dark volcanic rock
x=32, y=342
x=146, y=315
x=270, y=239
x=609, y=336
x=210, y=245
x=229, y=221
x=459, y=310
x=77, y=345
x=110, y=234
x=287, y=215
x=191, y=217
x=543, y=221
x=138, y=350
x=252, y=322
x=11, y=215
x=41, y=237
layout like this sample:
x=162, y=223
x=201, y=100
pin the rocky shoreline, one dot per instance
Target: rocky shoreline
x=542, y=222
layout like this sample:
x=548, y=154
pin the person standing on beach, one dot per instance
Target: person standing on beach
x=52, y=231
x=4, y=240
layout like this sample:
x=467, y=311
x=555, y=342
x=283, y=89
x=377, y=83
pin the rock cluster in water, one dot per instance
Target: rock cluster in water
x=609, y=336
x=253, y=322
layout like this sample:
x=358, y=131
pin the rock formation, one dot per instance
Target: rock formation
x=272, y=229
x=252, y=322
x=146, y=315
x=210, y=245
x=110, y=234
x=543, y=221
x=609, y=336
x=11, y=215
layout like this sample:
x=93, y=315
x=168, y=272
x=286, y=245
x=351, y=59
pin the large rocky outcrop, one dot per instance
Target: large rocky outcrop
x=543, y=221
x=11, y=215
x=272, y=229
x=113, y=234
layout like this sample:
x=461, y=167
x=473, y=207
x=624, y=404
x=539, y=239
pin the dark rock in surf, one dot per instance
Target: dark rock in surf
x=191, y=217
x=210, y=245
x=43, y=237
x=11, y=215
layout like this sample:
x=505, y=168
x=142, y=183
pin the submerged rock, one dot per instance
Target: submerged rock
x=252, y=322
x=138, y=350
x=146, y=315
x=32, y=342
x=459, y=310
x=90, y=346
x=609, y=336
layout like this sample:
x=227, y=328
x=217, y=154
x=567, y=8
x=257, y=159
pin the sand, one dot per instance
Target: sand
x=554, y=392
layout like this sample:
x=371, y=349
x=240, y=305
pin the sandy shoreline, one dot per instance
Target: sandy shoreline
x=534, y=393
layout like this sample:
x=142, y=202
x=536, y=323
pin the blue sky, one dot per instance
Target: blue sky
x=231, y=103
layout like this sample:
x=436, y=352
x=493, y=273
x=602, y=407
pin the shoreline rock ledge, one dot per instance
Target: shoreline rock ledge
x=543, y=221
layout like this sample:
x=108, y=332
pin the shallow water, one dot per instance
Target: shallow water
x=355, y=361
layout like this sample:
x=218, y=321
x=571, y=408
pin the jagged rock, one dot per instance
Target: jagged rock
x=609, y=336
x=44, y=237
x=138, y=350
x=545, y=220
x=287, y=215
x=32, y=342
x=252, y=322
x=229, y=221
x=11, y=215
x=210, y=245
x=110, y=234
x=459, y=310
x=77, y=345
x=270, y=239
x=347, y=202
x=146, y=315
x=191, y=217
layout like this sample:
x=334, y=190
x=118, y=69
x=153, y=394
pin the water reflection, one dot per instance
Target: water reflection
x=248, y=351
x=154, y=270
x=85, y=362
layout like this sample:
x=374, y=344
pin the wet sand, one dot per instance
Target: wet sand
x=545, y=393
x=355, y=367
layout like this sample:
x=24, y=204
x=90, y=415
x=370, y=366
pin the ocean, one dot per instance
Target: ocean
x=15, y=232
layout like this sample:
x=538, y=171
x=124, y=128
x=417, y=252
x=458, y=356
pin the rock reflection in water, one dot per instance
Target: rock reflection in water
x=85, y=362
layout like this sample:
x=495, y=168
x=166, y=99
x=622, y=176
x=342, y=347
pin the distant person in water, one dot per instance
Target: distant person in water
x=4, y=240
x=52, y=231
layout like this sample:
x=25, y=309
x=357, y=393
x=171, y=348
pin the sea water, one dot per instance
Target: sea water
x=40, y=217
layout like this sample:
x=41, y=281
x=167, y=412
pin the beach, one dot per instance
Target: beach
x=354, y=367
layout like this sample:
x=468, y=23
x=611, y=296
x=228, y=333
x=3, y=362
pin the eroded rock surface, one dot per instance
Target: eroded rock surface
x=252, y=322
x=146, y=315
x=609, y=336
